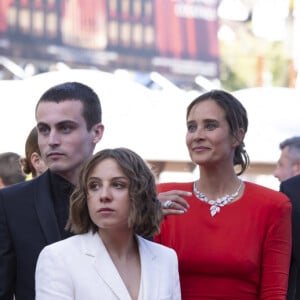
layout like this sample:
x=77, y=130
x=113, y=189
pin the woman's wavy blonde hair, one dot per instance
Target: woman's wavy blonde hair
x=145, y=214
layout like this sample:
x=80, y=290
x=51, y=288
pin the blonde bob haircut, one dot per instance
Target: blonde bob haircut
x=145, y=213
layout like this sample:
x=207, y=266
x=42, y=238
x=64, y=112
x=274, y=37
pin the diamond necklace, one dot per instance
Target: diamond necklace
x=215, y=205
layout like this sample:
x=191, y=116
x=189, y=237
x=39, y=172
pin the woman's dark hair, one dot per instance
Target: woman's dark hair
x=31, y=146
x=236, y=116
x=145, y=213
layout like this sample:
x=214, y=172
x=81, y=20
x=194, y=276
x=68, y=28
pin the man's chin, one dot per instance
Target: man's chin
x=56, y=168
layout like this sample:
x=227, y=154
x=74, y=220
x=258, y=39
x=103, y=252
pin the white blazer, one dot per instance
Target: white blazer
x=80, y=268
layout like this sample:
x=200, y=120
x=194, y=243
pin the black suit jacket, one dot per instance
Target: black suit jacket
x=291, y=188
x=27, y=224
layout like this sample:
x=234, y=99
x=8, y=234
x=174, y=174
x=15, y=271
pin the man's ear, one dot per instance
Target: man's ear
x=98, y=130
x=1, y=183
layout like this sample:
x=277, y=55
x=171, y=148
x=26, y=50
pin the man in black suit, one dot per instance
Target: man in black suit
x=33, y=214
x=288, y=166
x=291, y=187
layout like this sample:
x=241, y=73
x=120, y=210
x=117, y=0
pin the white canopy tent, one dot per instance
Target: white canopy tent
x=149, y=122
x=274, y=115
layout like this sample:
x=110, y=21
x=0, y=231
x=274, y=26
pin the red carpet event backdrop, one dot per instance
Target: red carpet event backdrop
x=170, y=35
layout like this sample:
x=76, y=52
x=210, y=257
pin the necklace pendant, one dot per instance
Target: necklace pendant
x=214, y=209
x=220, y=200
x=215, y=205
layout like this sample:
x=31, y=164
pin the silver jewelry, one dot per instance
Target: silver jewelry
x=167, y=204
x=215, y=205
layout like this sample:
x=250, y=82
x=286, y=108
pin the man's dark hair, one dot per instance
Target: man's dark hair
x=76, y=91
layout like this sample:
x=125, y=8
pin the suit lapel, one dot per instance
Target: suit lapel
x=150, y=270
x=44, y=208
x=93, y=246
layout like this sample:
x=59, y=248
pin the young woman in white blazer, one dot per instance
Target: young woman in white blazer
x=112, y=207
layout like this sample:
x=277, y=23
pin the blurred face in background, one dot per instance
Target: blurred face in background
x=287, y=166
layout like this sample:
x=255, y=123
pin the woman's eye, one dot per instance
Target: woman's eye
x=119, y=185
x=93, y=186
x=191, y=128
x=211, y=126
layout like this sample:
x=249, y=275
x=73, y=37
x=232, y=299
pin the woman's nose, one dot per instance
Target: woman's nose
x=105, y=195
x=199, y=133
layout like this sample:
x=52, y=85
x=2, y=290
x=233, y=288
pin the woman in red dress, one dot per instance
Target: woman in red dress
x=232, y=237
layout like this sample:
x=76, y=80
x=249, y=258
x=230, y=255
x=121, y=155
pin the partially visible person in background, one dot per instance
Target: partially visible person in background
x=232, y=237
x=10, y=169
x=113, y=206
x=291, y=187
x=287, y=169
x=32, y=164
x=288, y=164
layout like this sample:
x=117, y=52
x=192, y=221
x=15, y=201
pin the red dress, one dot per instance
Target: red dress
x=243, y=252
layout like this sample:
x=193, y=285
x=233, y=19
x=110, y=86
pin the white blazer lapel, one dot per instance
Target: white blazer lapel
x=150, y=271
x=104, y=266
